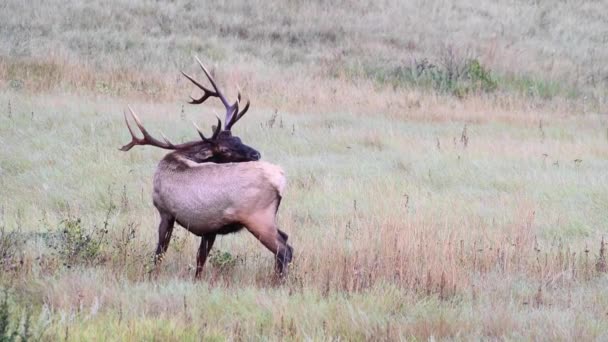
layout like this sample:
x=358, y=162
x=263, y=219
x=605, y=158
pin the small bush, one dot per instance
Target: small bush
x=452, y=74
x=75, y=245
x=123, y=244
x=222, y=260
x=480, y=77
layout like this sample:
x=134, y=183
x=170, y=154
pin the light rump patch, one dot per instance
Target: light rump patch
x=275, y=175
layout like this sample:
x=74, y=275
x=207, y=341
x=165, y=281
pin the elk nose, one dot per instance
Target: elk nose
x=255, y=155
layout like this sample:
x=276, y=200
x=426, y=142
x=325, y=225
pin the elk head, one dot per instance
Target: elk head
x=221, y=147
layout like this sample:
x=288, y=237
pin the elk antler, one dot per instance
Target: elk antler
x=216, y=131
x=232, y=111
x=150, y=140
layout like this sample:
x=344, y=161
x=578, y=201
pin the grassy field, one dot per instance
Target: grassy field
x=446, y=168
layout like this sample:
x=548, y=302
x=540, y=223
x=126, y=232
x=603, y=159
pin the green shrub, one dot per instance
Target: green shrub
x=75, y=245
x=452, y=75
x=222, y=260
x=480, y=77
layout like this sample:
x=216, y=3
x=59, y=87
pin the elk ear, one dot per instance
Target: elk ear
x=203, y=154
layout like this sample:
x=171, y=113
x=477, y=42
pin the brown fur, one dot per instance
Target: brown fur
x=210, y=199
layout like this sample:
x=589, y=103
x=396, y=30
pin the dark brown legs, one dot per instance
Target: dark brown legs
x=165, y=228
x=283, y=252
x=207, y=241
x=274, y=240
x=283, y=255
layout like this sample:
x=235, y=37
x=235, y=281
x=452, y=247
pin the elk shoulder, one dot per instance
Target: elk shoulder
x=271, y=173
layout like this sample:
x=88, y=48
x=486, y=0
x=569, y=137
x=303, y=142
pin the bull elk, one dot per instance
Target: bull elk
x=215, y=185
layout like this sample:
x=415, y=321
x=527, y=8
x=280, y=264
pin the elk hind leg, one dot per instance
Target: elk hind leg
x=263, y=227
x=283, y=255
x=284, y=236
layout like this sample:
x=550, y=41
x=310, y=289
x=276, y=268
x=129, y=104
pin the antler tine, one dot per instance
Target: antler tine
x=217, y=90
x=234, y=115
x=165, y=138
x=238, y=116
x=215, y=133
x=138, y=121
x=244, y=110
x=134, y=139
x=231, y=110
x=147, y=139
x=198, y=129
x=206, y=92
x=218, y=128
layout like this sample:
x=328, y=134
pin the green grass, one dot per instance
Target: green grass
x=356, y=188
x=420, y=206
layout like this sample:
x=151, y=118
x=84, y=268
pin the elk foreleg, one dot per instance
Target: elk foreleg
x=207, y=241
x=165, y=229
